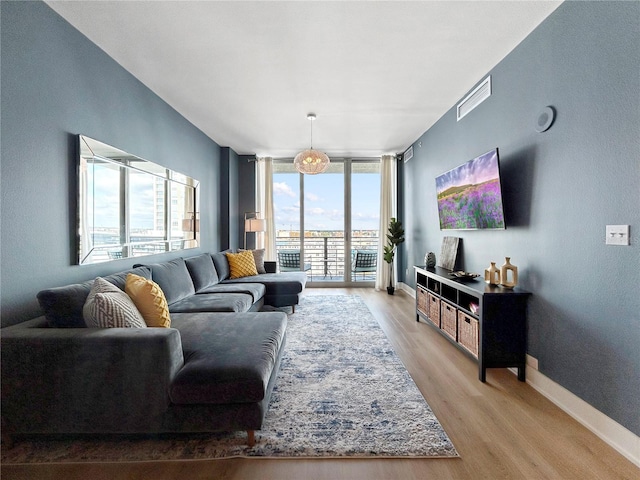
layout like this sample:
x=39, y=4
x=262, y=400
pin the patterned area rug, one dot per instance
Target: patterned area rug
x=342, y=392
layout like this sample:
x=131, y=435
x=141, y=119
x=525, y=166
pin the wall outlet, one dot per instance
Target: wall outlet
x=617, y=235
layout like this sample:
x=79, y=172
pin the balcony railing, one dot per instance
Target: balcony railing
x=327, y=256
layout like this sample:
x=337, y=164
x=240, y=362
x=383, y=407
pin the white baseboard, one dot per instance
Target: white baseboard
x=406, y=288
x=618, y=437
x=611, y=432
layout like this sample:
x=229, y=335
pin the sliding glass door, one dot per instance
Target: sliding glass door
x=330, y=221
x=324, y=222
x=365, y=220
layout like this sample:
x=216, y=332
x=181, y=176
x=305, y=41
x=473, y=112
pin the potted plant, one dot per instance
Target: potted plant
x=395, y=237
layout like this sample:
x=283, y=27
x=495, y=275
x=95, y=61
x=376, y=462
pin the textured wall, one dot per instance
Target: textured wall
x=560, y=189
x=55, y=85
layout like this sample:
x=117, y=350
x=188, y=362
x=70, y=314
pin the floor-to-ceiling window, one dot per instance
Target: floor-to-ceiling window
x=331, y=219
x=365, y=219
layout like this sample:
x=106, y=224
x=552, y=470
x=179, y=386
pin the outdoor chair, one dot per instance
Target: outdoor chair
x=289, y=261
x=365, y=261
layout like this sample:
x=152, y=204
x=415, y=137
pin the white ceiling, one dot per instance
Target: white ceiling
x=377, y=74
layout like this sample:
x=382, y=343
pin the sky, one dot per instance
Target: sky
x=476, y=171
x=324, y=201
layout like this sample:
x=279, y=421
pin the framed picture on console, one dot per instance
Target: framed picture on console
x=449, y=252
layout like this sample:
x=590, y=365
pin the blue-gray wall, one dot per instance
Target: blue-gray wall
x=246, y=195
x=560, y=189
x=56, y=84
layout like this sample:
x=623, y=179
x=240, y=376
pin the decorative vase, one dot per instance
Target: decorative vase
x=492, y=274
x=430, y=260
x=508, y=274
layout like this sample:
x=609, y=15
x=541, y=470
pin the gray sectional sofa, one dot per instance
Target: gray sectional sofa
x=212, y=370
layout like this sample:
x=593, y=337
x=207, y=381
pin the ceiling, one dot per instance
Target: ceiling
x=377, y=74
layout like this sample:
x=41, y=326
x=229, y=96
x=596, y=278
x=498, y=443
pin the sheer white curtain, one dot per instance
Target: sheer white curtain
x=264, y=205
x=387, y=211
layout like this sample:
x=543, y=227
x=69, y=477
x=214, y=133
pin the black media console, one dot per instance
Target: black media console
x=488, y=322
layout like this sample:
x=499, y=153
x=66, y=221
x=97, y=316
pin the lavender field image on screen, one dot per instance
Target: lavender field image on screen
x=469, y=196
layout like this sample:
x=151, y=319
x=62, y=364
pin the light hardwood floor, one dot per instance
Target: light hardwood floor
x=502, y=429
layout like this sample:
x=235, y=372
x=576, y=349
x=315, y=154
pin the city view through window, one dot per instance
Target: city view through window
x=325, y=217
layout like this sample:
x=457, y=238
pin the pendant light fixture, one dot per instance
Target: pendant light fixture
x=311, y=162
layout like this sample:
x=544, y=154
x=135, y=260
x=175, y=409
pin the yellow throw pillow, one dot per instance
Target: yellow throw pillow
x=149, y=299
x=242, y=264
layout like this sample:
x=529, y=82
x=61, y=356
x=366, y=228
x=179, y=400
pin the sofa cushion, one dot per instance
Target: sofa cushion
x=241, y=264
x=256, y=290
x=62, y=306
x=109, y=307
x=173, y=278
x=213, y=302
x=202, y=270
x=229, y=358
x=149, y=300
x=222, y=264
x=120, y=279
x=283, y=283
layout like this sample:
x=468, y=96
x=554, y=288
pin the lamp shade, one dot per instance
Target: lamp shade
x=254, y=225
x=188, y=225
x=311, y=162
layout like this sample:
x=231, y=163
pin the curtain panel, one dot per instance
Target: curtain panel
x=264, y=205
x=388, y=209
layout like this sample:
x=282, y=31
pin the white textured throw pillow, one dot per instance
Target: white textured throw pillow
x=107, y=306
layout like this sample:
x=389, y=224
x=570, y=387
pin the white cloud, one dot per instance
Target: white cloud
x=312, y=197
x=316, y=211
x=281, y=188
x=366, y=216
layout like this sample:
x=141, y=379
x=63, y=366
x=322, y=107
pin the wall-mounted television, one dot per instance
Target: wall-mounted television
x=470, y=197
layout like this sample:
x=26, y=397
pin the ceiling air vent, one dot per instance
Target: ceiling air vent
x=408, y=154
x=475, y=98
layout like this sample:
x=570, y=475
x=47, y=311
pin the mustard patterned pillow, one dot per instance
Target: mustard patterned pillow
x=242, y=264
x=149, y=298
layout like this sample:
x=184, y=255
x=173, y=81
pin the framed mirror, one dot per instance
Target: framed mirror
x=130, y=207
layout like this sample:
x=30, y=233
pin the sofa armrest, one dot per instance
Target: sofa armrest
x=270, y=266
x=85, y=379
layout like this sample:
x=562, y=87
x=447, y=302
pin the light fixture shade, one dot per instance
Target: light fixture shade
x=311, y=162
x=254, y=225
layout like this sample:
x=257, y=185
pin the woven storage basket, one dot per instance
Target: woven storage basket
x=468, y=332
x=434, y=309
x=448, y=319
x=421, y=296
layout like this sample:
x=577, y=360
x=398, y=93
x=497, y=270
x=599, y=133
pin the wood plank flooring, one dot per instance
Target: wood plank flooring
x=502, y=429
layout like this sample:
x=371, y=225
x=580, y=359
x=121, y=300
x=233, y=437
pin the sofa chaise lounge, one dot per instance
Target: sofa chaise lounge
x=213, y=370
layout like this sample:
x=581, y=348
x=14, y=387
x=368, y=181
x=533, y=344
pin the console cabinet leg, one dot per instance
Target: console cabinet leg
x=521, y=374
x=251, y=438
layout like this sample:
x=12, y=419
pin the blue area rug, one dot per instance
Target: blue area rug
x=341, y=392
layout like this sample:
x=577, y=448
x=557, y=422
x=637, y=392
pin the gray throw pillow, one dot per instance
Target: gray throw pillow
x=109, y=307
x=258, y=256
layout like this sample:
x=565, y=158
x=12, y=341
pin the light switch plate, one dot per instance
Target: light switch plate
x=617, y=235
